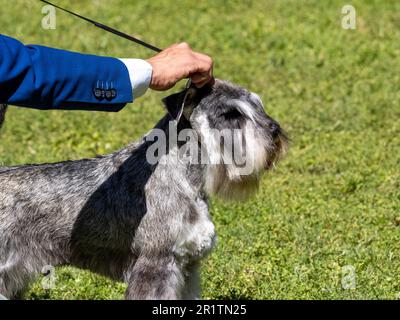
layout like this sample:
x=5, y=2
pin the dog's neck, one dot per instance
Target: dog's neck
x=136, y=152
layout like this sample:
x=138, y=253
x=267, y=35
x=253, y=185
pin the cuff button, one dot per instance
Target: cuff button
x=98, y=93
x=108, y=95
x=113, y=93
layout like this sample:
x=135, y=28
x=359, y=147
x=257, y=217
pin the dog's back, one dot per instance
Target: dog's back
x=64, y=213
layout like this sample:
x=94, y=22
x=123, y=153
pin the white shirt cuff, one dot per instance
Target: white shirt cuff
x=140, y=72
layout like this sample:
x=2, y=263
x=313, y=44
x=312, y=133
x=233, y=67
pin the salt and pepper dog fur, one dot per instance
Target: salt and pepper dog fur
x=120, y=216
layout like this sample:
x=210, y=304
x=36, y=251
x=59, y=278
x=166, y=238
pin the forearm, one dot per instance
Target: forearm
x=45, y=78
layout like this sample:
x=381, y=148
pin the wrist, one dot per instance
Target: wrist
x=140, y=74
x=154, y=77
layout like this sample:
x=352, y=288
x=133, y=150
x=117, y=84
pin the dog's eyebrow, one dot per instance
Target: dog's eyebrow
x=256, y=99
x=244, y=107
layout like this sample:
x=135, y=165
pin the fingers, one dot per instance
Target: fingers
x=200, y=66
x=177, y=62
x=204, y=70
x=205, y=63
x=201, y=79
x=203, y=83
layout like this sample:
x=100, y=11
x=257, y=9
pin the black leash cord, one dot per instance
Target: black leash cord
x=107, y=28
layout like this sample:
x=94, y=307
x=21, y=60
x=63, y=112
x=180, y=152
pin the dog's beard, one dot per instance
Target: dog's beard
x=230, y=181
x=219, y=183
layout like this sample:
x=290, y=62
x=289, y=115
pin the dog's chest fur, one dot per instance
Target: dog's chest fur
x=186, y=220
x=196, y=239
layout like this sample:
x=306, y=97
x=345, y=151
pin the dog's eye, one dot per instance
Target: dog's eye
x=232, y=114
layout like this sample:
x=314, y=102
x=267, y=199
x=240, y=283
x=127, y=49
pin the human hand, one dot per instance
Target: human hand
x=178, y=62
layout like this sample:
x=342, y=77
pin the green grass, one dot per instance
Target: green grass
x=334, y=201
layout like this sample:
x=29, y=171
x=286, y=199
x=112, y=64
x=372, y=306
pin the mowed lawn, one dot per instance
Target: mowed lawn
x=329, y=211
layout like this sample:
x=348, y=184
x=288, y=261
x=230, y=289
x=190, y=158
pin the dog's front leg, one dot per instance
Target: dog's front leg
x=192, y=282
x=157, y=277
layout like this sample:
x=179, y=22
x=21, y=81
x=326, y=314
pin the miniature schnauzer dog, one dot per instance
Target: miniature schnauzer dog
x=143, y=222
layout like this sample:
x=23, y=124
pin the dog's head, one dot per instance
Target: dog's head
x=238, y=139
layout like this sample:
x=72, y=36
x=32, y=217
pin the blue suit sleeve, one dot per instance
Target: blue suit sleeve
x=46, y=78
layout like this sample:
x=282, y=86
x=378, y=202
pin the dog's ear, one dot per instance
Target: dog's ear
x=180, y=103
x=174, y=104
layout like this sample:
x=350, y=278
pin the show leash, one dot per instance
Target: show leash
x=107, y=28
x=113, y=31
